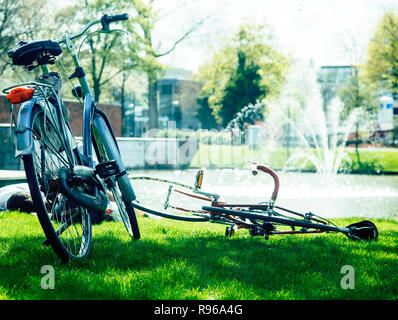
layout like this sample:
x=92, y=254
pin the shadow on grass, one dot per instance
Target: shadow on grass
x=203, y=266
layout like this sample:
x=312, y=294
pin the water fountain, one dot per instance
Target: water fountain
x=316, y=134
x=322, y=138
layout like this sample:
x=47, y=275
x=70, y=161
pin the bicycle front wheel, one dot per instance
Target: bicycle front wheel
x=106, y=150
x=66, y=224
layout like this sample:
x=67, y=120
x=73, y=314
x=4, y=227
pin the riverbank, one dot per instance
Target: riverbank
x=373, y=160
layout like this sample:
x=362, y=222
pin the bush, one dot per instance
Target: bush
x=248, y=115
x=203, y=136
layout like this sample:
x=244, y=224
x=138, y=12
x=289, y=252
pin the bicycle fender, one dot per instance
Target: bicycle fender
x=104, y=130
x=24, y=145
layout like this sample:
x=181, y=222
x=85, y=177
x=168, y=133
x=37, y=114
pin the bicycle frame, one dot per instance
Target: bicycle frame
x=95, y=122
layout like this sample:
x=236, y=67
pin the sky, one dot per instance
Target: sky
x=316, y=30
x=319, y=30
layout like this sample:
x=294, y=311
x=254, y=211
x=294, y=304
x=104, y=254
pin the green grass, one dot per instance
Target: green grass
x=386, y=159
x=228, y=156
x=180, y=260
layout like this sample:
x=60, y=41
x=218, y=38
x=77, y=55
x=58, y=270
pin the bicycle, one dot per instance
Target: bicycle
x=68, y=188
x=192, y=204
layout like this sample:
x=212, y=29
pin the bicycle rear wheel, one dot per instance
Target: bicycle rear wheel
x=119, y=185
x=66, y=225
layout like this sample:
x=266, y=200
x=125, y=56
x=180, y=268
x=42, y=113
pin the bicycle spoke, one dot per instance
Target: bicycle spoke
x=68, y=221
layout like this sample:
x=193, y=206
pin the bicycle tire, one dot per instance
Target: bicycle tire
x=105, y=153
x=169, y=199
x=53, y=209
x=271, y=219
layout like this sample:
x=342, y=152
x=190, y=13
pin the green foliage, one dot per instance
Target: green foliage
x=105, y=54
x=248, y=65
x=357, y=92
x=225, y=155
x=365, y=167
x=382, y=62
x=205, y=115
x=248, y=115
x=243, y=88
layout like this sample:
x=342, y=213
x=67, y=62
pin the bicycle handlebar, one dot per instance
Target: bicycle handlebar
x=272, y=173
x=105, y=20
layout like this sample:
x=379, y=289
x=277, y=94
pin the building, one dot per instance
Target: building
x=386, y=114
x=330, y=78
x=178, y=95
x=75, y=109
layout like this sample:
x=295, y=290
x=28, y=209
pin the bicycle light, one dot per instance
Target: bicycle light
x=19, y=95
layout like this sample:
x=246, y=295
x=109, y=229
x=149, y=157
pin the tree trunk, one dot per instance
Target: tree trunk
x=395, y=118
x=123, y=107
x=357, y=144
x=153, y=101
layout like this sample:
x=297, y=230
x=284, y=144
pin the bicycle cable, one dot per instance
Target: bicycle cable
x=70, y=80
x=99, y=31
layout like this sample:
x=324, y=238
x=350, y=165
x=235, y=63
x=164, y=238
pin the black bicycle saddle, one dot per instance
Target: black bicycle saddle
x=39, y=51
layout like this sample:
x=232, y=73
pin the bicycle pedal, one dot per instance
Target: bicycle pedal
x=107, y=169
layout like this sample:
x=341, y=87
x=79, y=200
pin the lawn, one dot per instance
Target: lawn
x=227, y=156
x=180, y=260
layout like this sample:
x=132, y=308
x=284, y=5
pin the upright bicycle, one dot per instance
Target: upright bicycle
x=70, y=188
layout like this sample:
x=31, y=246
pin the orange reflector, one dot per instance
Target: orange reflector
x=199, y=179
x=19, y=95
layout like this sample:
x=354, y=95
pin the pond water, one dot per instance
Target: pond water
x=336, y=196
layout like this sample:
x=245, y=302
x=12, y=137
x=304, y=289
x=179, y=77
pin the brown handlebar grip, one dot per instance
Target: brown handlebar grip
x=272, y=173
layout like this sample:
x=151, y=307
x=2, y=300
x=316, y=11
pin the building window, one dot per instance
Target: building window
x=177, y=89
x=395, y=111
x=167, y=89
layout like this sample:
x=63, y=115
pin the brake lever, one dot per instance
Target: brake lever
x=114, y=30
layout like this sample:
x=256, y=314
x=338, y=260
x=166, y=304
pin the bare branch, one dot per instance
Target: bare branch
x=117, y=73
x=174, y=10
x=183, y=37
x=107, y=49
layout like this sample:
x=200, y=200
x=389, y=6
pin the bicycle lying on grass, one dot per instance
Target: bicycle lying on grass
x=69, y=187
x=191, y=203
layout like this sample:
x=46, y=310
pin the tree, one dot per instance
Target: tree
x=19, y=20
x=146, y=20
x=247, y=67
x=243, y=88
x=382, y=61
x=356, y=95
x=204, y=114
x=109, y=54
